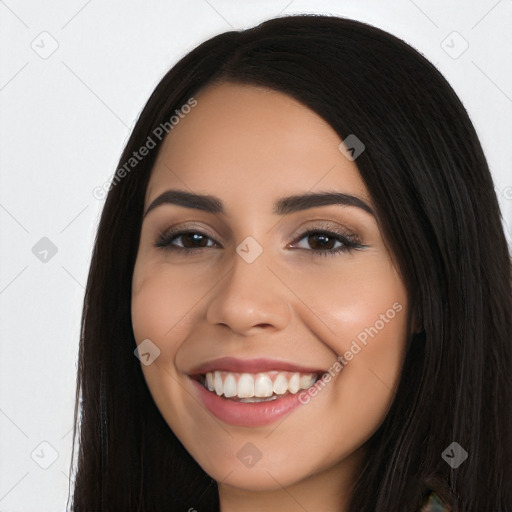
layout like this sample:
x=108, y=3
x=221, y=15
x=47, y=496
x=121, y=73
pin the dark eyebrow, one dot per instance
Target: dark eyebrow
x=297, y=203
x=282, y=206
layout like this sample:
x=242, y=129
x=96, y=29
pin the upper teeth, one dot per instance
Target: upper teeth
x=246, y=385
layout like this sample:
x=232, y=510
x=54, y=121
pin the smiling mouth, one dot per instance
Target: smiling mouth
x=256, y=387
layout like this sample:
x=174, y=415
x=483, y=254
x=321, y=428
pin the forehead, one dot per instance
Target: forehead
x=248, y=143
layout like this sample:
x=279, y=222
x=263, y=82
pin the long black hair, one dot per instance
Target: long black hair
x=430, y=183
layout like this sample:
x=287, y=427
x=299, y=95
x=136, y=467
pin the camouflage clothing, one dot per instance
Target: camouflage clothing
x=434, y=504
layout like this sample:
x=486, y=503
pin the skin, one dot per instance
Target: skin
x=250, y=146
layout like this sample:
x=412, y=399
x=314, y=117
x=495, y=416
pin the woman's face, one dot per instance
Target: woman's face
x=246, y=300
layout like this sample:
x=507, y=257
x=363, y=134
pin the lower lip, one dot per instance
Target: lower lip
x=246, y=414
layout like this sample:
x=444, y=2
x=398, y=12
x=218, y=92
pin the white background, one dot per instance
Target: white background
x=64, y=121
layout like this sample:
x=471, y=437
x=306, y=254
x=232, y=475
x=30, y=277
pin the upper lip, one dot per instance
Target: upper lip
x=232, y=364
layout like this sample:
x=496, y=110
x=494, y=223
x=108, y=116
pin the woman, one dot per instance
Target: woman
x=302, y=247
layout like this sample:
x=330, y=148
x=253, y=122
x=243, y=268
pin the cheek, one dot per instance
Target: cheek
x=371, y=309
x=160, y=306
x=160, y=314
x=164, y=306
x=362, y=317
x=343, y=302
x=372, y=326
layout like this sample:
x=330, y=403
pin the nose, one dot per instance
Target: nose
x=249, y=298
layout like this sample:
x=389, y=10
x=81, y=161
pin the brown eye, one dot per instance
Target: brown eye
x=323, y=242
x=190, y=240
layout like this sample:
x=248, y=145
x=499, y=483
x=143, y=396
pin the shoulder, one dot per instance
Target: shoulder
x=434, y=504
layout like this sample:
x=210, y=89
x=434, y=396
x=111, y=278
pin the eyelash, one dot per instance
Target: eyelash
x=349, y=241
